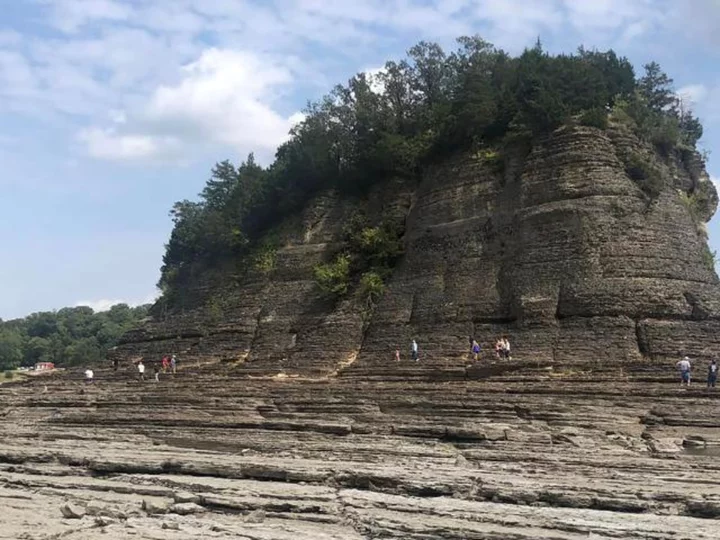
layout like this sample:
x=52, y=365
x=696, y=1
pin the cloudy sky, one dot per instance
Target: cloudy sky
x=111, y=110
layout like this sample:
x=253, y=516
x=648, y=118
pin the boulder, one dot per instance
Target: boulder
x=186, y=497
x=185, y=509
x=665, y=446
x=154, y=507
x=258, y=516
x=72, y=511
x=96, y=508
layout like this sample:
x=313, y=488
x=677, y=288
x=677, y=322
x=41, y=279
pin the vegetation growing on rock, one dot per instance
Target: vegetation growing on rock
x=412, y=113
x=364, y=261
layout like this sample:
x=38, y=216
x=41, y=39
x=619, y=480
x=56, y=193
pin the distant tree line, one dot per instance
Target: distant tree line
x=411, y=113
x=68, y=337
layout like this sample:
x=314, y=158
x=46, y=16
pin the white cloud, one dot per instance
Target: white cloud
x=223, y=97
x=104, y=304
x=107, y=144
x=70, y=15
x=376, y=83
x=606, y=14
x=516, y=22
x=693, y=93
x=297, y=118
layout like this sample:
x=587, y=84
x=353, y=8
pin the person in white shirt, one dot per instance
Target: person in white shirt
x=141, y=370
x=89, y=375
x=684, y=367
x=414, y=351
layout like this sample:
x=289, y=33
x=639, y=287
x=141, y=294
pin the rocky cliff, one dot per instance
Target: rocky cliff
x=566, y=248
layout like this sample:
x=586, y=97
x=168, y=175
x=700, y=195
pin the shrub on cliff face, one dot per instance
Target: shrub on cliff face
x=366, y=259
x=645, y=174
x=709, y=257
x=334, y=278
x=594, y=118
x=371, y=288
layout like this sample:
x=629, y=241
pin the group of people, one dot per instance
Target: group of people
x=502, y=349
x=685, y=367
x=169, y=363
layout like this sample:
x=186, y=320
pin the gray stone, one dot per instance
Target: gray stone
x=185, y=509
x=665, y=446
x=154, y=507
x=104, y=521
x=186, y=497
x=257, y=516
x=72, y=511
x=95, y=508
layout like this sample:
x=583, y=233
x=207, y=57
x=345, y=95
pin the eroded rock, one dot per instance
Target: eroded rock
x=185, y=509
x=152, y=507
x=72, y=511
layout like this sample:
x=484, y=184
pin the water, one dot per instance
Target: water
x=709, y=451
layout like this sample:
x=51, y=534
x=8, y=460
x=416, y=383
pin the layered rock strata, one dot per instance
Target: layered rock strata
x=524, y=452
x=560, y=249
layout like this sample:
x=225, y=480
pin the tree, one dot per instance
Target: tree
x=11, y=354
x=656, y=89
x=70, y=336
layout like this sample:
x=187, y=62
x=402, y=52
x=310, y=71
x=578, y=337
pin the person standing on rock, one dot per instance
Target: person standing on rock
x=165, y=364
x=141, y=370
x=475, y=350
x=89, y=376
x=684, y=367
x=156, y=370
x=397, y=355
x=173, y=363
x=712, y=373
x=414, y=351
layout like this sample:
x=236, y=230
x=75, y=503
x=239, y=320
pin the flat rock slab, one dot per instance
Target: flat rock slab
x=255, y=459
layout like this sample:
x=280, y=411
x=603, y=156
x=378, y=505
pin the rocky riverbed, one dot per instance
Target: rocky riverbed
x=510, y=451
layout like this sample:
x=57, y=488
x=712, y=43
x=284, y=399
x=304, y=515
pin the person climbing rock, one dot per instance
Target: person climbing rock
x=115, y=363
x=156, y=370
x=499, y=348
x=475, y=350
x=712, y=373
x=141, y=370
x=684, y=367
x=173, y=363
x=89, y=376
x=397, y=355
x=165, y=363
x=414, y=351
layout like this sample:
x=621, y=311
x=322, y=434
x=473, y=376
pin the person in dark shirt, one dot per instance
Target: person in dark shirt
x=712, y=373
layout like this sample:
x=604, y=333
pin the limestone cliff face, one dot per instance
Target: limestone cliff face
x=561, y=250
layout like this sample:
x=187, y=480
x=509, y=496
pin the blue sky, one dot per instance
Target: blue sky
x=111, y=110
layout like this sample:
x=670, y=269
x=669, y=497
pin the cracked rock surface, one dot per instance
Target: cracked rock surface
x=521, y=453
